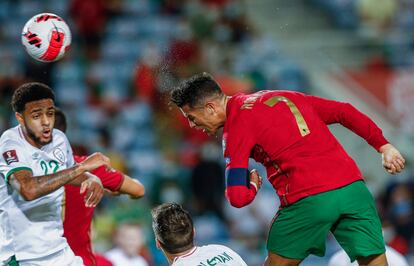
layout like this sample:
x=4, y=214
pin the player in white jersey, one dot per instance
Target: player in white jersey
x=37, y=161
x=174, y=235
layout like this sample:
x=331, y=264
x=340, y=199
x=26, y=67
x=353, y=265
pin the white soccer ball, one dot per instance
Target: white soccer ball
x=46, y=37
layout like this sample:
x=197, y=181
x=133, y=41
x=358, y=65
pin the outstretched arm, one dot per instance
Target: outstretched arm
x=350, y=117
x=347, y=115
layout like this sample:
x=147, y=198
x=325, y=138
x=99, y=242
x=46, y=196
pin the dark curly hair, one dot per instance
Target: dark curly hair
x=173, y=227
x=194, y=90
x=60, y=120
x=30, y=92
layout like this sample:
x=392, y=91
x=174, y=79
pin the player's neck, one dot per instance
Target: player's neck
x=172, y=257
x=226, y=100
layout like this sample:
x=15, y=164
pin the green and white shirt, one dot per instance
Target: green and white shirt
x=37, y=226
x=210, y=255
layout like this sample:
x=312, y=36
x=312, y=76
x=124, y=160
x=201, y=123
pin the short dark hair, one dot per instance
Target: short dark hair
x=30, y=92
x=173, y=227
x=195, y=89
x=60, y=120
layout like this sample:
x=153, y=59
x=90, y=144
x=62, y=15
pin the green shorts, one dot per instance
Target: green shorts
x=349, y=213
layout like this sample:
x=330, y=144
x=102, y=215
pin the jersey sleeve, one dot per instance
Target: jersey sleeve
x=13, y=158
x=348, y=116
x=238, y=144
x=111, y=179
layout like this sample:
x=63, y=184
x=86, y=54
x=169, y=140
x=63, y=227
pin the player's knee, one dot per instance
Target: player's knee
x=277, y=260
x=373, y=260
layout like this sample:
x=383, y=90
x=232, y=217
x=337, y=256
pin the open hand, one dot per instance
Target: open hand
x=94, y=190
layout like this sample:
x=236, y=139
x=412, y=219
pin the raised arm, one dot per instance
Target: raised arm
x=347, y=115
x=32, y=187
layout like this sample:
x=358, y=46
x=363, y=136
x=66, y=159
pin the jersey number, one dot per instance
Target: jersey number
x=53, y=166
x=300, y=121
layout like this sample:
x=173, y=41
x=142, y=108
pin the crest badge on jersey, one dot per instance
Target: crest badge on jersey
x=59, y=155
x=10, y=156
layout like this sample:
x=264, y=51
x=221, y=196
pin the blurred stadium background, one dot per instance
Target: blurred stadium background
x=126, y=55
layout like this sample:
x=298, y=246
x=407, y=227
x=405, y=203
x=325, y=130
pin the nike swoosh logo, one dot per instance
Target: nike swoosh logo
x=58, y=35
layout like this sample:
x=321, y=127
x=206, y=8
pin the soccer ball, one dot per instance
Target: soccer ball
x=46, y=37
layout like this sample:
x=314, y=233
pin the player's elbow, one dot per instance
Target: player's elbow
x=236, y=199
x=138, y=193
x=29, y=193
x=237, y=203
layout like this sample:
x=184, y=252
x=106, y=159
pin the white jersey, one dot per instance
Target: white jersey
x=210, y=255
x=7, y=205
x=37, y=227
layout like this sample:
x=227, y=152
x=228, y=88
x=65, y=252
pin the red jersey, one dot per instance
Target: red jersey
x=78, y=218
x=287, y=132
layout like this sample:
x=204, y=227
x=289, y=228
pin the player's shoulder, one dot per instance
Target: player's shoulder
x=216, y=247
x=59, y=137
x=11, y=136
x=58, y=134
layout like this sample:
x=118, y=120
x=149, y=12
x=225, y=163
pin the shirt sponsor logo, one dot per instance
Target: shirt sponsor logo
x=10, y=156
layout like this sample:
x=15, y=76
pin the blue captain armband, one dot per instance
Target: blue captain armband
x=237, y=177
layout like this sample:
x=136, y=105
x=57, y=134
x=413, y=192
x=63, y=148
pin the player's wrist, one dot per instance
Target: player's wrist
x=254, y=185
x=80, y=169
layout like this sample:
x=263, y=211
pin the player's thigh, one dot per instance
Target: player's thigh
x=358, y=230
x=277, y=260
x=301, y=228
x=374, y=260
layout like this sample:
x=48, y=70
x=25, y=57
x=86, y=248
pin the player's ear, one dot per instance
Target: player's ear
x=157, y=243
x=19, y=118
x=210, y=107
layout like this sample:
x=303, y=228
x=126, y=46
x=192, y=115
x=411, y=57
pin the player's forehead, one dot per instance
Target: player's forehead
x=186, y=111
x=39, y=105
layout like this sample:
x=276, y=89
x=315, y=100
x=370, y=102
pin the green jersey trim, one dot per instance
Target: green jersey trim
x=15, y=170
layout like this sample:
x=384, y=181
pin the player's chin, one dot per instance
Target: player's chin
x=46, y=140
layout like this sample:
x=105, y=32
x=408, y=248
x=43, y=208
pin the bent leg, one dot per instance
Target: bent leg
x=277, y=260
x=373, y=260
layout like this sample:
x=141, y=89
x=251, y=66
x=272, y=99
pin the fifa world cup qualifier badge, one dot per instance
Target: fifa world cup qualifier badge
x=10, y=156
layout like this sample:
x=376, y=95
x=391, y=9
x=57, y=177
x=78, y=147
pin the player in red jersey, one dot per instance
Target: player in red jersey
x=319, y=185
x=78, y=218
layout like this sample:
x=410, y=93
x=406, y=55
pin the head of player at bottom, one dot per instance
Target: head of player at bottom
x=173, y=228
